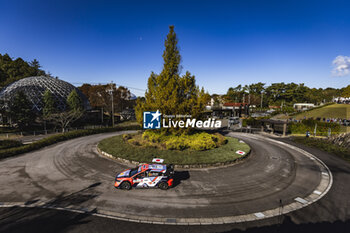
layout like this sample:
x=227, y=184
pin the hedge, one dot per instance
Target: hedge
x=309, y=125
x=5, y=153
x=5, y=144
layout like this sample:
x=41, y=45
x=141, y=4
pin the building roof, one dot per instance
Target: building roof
x=34, y=88
x=234, y=104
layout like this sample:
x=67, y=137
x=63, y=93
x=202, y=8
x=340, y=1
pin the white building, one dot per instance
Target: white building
x=303, y=106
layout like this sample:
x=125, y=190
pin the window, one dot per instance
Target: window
x=153, y=174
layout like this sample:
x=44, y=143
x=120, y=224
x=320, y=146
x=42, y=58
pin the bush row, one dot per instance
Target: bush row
x=309, y=125
x=5, y=153
x=195, y=141
x=5, y=144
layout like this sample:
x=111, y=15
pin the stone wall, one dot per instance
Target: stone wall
x=341, y=140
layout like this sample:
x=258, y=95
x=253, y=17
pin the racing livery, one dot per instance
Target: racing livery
x=146, y=176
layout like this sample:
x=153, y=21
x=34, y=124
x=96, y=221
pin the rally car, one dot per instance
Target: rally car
x=146, y=176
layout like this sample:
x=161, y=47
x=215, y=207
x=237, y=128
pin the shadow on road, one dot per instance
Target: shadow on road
x=76, y=198
x=288, y=226
x=180, y=176
x=17, y=219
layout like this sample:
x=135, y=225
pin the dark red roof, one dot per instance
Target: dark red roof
x=234, y=104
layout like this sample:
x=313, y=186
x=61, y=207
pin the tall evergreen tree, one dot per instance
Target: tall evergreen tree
x=168, y=92
x=35, y=64
x=21, y=110
x=13, y=70
x=49, y=104
x=74, y=101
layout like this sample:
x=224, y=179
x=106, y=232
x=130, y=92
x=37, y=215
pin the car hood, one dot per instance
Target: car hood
x=124, y=173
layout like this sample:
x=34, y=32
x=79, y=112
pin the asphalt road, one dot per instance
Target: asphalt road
x=72, y=174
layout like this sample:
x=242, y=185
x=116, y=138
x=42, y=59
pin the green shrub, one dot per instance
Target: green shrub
x=195, y=141
x=176, y=143
x=126, y=137
x=309, y=125
x=153, y=136
x=203, y=143
x=221, y=140
x=5, y=144
x=134, y=142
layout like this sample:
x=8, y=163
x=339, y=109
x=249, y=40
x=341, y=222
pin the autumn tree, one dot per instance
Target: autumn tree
x=100, y=96
x=169, y=92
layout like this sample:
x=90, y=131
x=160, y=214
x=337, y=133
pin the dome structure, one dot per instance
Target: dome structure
x=34, y=88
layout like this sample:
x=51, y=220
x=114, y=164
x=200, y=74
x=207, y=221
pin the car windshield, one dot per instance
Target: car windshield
x=133, y=171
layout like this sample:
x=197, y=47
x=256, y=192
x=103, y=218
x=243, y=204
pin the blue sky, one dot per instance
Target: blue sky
x=223, y=43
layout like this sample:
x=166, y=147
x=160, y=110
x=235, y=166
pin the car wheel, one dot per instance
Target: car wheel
x=125, y=185
x=163, y=185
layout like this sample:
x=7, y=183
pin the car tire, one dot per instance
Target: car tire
x=163, y=185
x=125, y=185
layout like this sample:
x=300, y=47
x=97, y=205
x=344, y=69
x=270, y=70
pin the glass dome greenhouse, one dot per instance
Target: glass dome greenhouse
x=34, y=88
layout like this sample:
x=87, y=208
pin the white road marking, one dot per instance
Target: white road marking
x=317, y=192
x=301, y=200
x=259, y=215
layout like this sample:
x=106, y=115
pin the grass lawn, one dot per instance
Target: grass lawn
x=331, y=111
x=118, y=148
x=324, y=145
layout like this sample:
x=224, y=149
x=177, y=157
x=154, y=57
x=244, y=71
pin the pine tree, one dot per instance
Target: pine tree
x=74, y=101
x=35, y=64
x=21, y=110
x=49, y=104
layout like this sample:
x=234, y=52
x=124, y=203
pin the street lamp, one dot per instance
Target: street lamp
x=111, y=93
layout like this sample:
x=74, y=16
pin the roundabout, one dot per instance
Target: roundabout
x=275, y=179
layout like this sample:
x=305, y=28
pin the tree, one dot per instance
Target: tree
x=49, y=104
x=21, y=110
x=255, y=88
x=74, y=101
x=346, y=92
x=100, y=96
x=13, y=70
x=64, y=119
x=72, y=114
x=35, y=64
x=168, y=92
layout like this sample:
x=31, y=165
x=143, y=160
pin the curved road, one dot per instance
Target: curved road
x=72, y=175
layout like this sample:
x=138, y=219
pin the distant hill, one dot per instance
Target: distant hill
x=15, y=69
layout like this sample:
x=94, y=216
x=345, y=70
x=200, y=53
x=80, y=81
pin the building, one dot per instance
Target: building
x=303, y=106
x=34, y=88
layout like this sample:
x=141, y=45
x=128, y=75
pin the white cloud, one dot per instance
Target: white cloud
x=341, y=65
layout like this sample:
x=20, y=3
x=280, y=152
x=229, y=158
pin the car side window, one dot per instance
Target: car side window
x=153, y=174
x=140, y=176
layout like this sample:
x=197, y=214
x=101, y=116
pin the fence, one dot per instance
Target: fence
x=20, y=134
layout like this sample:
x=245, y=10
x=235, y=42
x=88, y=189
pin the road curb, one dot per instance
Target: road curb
x=189, y=166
